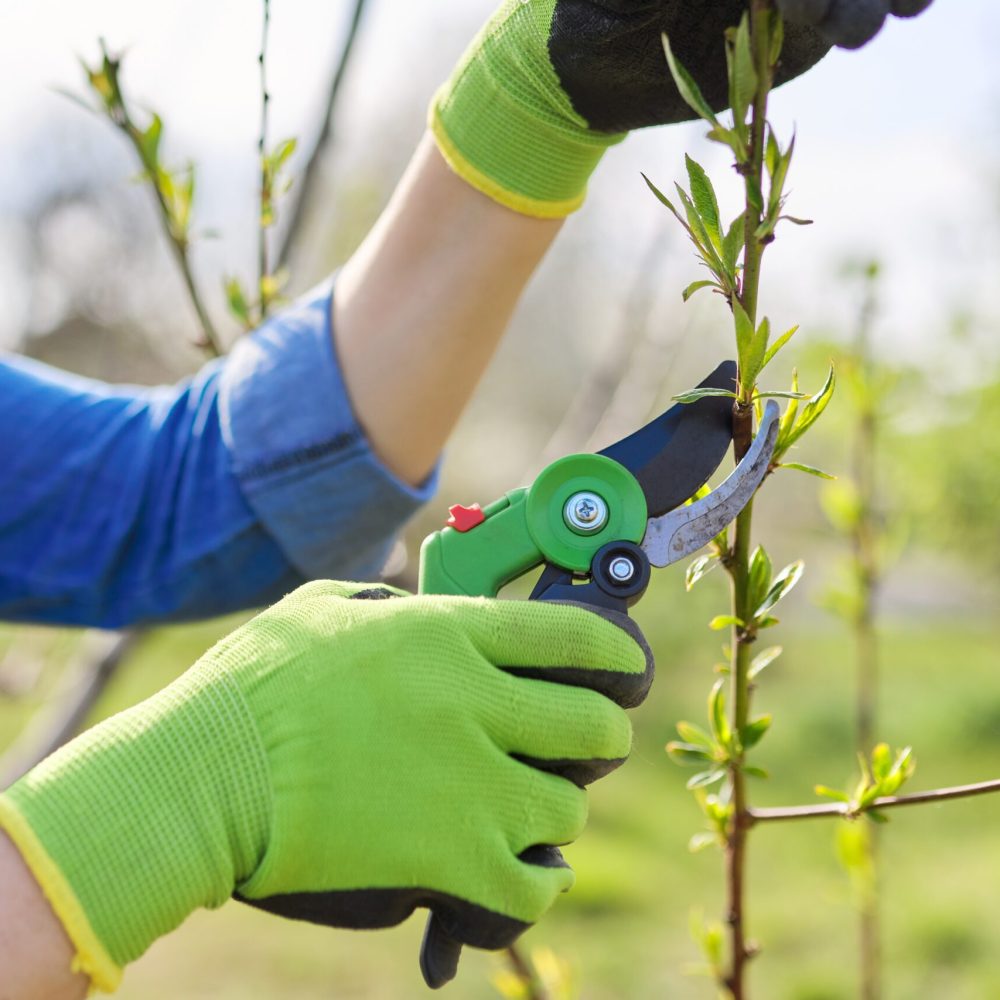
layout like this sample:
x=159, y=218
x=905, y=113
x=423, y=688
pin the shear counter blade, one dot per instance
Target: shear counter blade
x=686, y=529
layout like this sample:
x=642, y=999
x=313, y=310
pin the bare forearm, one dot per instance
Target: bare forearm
x=421, y=307
x=35, y=953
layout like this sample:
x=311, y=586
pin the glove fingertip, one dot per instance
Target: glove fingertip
x=850, y=24
x=909, y=8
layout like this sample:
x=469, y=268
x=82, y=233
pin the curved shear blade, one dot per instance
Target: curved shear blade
x=685, y=530
x=673, y=455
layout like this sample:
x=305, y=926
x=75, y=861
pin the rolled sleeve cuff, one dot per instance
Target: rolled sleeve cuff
x=302, y=459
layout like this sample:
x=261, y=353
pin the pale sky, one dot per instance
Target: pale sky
x=897, y=151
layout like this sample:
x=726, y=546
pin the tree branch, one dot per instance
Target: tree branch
x=82, y=683
x=844, y=810
x=310, y=174
x=266, y=194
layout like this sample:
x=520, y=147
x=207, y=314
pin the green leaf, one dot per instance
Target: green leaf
x=280, y=154
x=756, y=772
x=705, y=201
x=777, y=39
x=779, y=175
x=881, y=761
x=237, y=301
x=732, y=243
x=760, y=575
x=777, y=346
x=717, y=713
x=772, y=152
x=693, y=395
x=149, y=142
x=702, y=840
x=183, y=201
x=688, y=754
x=755, y=355
x=663, y=199
x=779, y=394
x=762, y=660
x=720, y=622
x=700, y=235
x=686, y=87
x=900, y=771
x=700, y=567
x=787, y=421
x=795, y=221
x=832, y=793
x=731, y=138
x=753, y=732
x=705, y=778
x=810, y=413
x=769, y=622
x=744, y=339
x=742, y=76
x=709, y=938
x=782, y=584
x=696, y=286
x=875, y=816
x=694, y=735
x=809, y=469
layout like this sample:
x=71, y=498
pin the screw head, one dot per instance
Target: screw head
x=585, y=513
x=621, y=569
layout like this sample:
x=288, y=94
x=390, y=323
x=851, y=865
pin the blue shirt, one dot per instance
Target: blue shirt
x=122, y=505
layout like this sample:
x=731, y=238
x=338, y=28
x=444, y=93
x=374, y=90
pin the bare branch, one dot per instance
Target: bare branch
x=522, y=968
x=310, y=174
x=82, y=683
x=265, y=179
x=844, y=810
x=105, y=81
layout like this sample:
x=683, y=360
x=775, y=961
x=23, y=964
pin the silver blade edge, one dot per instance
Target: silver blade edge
x=684, y=530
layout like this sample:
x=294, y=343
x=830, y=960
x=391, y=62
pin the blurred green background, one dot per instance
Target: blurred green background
x=893, y=166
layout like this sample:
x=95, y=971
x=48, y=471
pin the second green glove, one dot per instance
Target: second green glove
x=341, y=761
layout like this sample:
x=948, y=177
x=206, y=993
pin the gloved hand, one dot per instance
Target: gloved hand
x=848, y=23
x=340, y=761
x=548, y=85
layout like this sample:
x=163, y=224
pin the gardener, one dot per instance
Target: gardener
x=341, y=758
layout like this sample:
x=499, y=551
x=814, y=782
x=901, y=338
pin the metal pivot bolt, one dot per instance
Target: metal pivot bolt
x=585, y=513
x=622, y=569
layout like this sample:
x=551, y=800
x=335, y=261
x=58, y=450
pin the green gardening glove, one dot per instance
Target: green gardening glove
x=341, y=761
x=548, y=85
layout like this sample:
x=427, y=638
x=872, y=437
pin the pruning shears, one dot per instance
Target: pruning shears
x=597, y=523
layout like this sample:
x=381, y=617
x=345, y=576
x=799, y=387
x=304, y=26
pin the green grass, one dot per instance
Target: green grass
x=625, y=925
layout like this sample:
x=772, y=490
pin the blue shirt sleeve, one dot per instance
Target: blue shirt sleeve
x=122, y=505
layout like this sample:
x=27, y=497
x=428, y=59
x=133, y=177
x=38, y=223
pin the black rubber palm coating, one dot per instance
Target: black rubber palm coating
x=609, y=56
x=805, y=11
x=851, y=23
x=909, y=8
x=848, y=24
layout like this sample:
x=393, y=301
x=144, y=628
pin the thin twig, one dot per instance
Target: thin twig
x=118, y=113
x=844, y=810
x=265, y=182
x=738, y=564
x=864, y=542
x=310, y=174
x=82, y=683
x=522, y=968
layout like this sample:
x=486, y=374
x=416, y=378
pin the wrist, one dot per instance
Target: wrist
x=154, y=813
x=504, y=124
